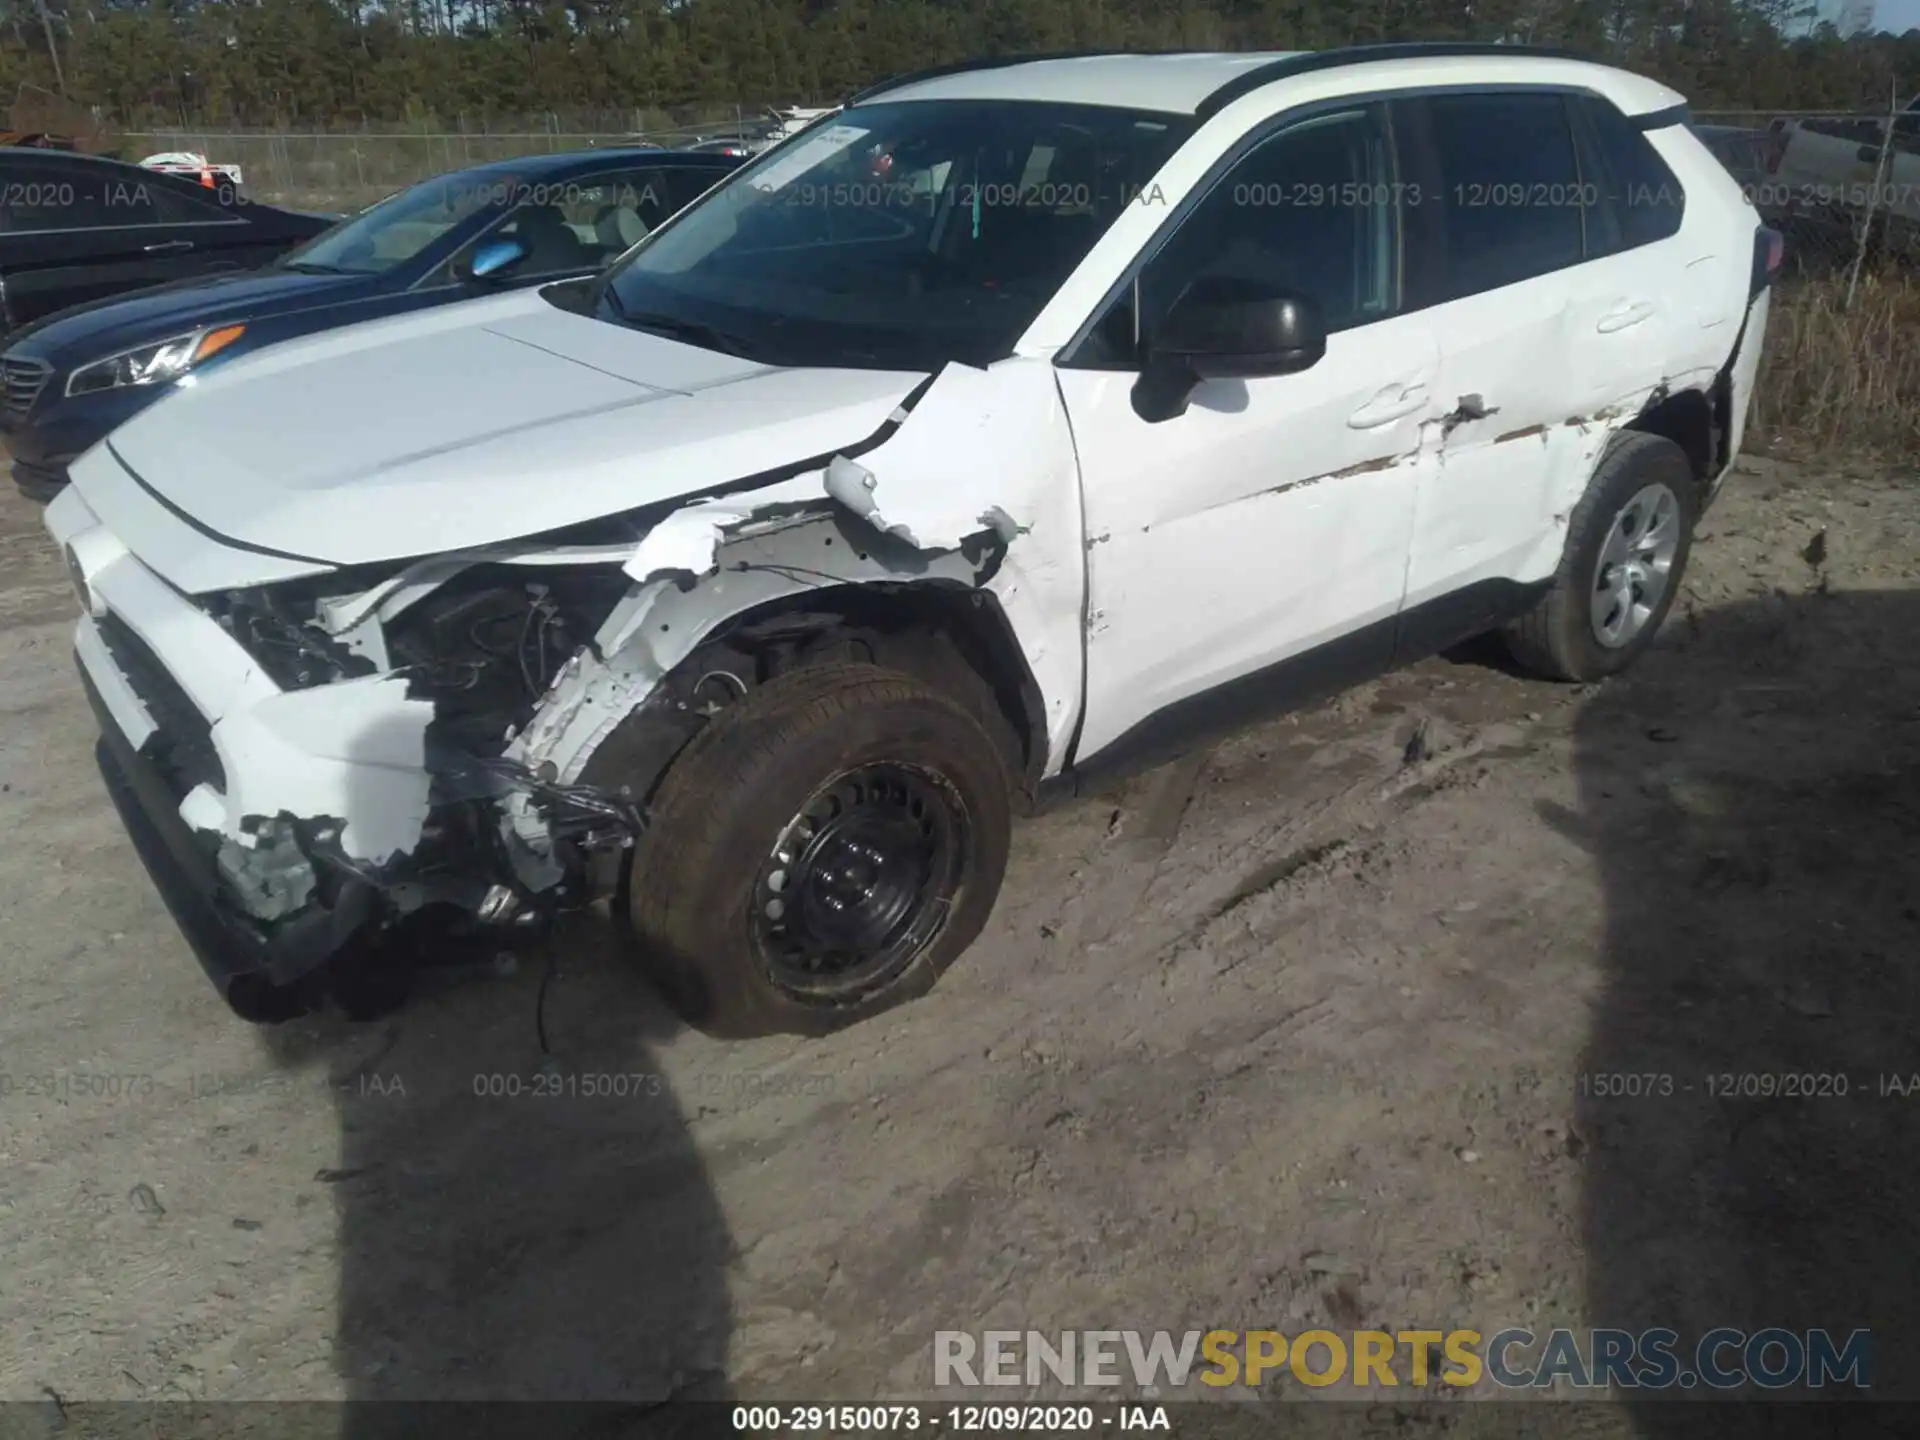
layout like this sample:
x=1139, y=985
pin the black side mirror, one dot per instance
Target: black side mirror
x=1226, y=329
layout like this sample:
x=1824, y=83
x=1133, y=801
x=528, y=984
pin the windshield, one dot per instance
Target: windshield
x=895, y=236
x=392, y=231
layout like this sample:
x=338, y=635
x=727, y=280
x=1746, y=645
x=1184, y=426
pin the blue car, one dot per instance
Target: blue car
x=70, y=379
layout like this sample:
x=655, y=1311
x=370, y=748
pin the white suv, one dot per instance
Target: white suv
x=1008, y=428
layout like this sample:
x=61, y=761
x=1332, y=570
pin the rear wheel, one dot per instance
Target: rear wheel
x=1626, y=552
x=822, y=851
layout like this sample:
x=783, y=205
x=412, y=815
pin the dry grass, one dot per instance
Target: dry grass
x=1834, y=378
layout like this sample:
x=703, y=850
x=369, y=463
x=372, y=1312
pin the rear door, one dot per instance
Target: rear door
x=1642, y=246
x=210, y=230
x=1641, y=254
x=1528, y=336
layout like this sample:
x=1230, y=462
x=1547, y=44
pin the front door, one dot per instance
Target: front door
x=1253, y=549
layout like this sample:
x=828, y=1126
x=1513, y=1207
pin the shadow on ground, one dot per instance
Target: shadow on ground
x=1752, y=796
x=514, y=1226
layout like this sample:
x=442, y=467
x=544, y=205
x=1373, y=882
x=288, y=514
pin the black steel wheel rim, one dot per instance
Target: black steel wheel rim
x=860, y=881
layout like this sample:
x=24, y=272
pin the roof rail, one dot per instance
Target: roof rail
x=1000, y=62
x=1302, y=64
x=1306, y=64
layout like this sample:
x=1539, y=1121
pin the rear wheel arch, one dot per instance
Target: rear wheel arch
x=1557, y=639
x=1691, y=419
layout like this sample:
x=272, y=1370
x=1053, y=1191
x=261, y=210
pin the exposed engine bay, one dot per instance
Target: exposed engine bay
x=483, y=647
x=482, y=650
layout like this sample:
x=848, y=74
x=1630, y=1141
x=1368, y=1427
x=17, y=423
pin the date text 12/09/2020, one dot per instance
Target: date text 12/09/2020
x=1748, y=1085
x=959, y=1419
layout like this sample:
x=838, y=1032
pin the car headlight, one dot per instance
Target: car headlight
x=153, y=364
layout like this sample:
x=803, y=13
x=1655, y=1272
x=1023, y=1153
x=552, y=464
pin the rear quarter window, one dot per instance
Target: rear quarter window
x=1645, y=196
x=175, y=206
x=73, y=197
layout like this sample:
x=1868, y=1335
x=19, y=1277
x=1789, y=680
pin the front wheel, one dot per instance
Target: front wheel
x=1626, y=551
x=821, y=852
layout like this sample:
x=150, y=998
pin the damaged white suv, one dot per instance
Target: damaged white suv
x=1018, y=423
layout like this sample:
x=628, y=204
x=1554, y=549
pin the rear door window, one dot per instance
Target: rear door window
x=1511, y=187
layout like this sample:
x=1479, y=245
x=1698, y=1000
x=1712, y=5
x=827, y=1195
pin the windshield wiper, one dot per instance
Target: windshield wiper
x=604, y=294
x=312, y=267
x=672, y=326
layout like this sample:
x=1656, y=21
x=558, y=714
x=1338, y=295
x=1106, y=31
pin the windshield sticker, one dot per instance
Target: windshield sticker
x=796, y=161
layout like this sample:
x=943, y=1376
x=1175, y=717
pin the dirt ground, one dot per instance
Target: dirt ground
x=1325, y=993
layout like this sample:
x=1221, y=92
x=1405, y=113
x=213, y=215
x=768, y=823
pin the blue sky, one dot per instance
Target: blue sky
x=1898, y=16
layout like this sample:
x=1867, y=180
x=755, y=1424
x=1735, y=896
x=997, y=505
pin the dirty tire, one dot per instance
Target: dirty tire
x=1556, y=639
x=698, y=876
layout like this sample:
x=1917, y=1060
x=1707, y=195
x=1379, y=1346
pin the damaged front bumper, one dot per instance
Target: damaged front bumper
x=278, y=825
x=258, y=968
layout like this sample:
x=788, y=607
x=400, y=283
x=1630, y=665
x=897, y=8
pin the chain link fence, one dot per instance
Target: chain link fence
x=1843, y=187
x=348, y=169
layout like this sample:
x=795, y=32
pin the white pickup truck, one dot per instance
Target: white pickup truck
x=194, y=166
x=1829, y=171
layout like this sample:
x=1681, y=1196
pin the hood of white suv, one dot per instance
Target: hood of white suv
x=475, y=425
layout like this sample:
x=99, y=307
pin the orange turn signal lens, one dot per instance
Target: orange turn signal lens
x=214, y=341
